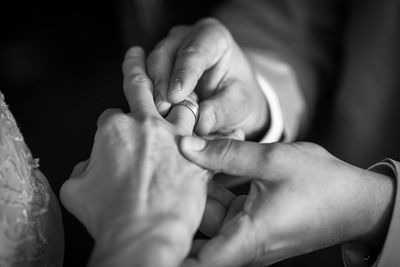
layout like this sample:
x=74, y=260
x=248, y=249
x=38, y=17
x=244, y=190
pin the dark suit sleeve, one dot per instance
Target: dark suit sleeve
x=355, y=255
x=306, y=34
x=390, y=255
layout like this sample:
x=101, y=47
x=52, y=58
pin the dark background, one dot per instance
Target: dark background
x=60, y=67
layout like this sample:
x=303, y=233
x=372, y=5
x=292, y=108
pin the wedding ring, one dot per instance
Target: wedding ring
x=191, y=105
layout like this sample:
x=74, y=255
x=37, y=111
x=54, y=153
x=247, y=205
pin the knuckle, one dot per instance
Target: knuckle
x=68, y=193
x=118, y=132
x=152, y=124
x=141, y=112
x=271, y=154
x=138, y=80
x=277, y=156
x=311, y=148
x=118, y=121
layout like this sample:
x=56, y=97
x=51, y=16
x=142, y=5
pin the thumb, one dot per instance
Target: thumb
x=226, y=155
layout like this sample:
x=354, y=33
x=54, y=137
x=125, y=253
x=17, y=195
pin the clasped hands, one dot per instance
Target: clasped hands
x=143, y=193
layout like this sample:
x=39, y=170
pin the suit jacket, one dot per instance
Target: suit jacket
x=346, y=57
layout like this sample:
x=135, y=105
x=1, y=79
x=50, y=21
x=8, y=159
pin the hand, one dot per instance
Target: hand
x=136, y=195
x=204, y=57
x=301, y=199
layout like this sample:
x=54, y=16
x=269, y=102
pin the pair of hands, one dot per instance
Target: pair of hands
x=142, y=201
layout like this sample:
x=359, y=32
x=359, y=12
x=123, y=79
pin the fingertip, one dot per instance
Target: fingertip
x=176, y=96
x=163, y=108
x=205, y=124
x=134, y=51
x=162, y=105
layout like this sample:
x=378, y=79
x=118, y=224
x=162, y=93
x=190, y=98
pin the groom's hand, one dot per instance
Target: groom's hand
x=301, y=199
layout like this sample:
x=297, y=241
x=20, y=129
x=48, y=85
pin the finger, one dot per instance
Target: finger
x=205, y=47
x=236, y=135
x=213, y=217
x=220, y=193
x=235, y=207
x=235, y=245
x=223, y=112
x=229, y=156
x=138, y=87
x=231, y=181
x=196, y=247
x=183, y=117
x=160, y=63
x=218, y=202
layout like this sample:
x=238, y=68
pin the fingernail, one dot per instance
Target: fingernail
x=191, y=143
x=194, y=97
x=162, y=105
x=209, y=122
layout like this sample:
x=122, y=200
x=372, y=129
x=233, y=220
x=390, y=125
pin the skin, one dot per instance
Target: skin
x=142, y=201
x=205, y=58
x=139, y=198
x=301, y=199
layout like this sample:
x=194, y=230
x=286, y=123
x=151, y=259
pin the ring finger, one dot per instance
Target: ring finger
x=184, y=115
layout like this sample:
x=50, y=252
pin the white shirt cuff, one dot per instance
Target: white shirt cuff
x=276, y=127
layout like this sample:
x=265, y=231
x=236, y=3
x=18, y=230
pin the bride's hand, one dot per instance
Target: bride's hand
x=137, y=196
